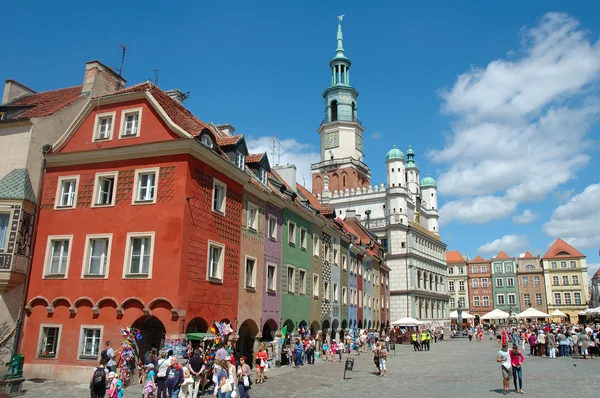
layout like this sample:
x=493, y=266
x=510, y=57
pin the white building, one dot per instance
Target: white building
x=402, y=212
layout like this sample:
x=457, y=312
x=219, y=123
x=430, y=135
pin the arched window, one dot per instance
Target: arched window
x=344, y=181
x=353, y=111
x=529, y=267
x=334, y=110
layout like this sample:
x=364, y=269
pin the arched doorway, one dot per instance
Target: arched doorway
x=369, y=325
x=268, y=330
x=245, y=344
x=477, y=320
x=290, y=328
x=326, y=327
x=344, y=326
x=360, y=324
x=302, y=328
x=314, y=328
x=153, y=333
x=197, y=325
x=335, y=325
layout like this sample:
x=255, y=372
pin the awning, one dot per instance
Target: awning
x=532, y=313
x=407, y=321
x=558, y=314
x=200, y=336
x=496, y=314
x=465, y=315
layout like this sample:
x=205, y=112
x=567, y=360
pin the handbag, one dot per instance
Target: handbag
x=246, y=381
x=234, y=394
x=226, y=387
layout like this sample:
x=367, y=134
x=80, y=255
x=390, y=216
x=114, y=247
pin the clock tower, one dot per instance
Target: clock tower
x=341, y=133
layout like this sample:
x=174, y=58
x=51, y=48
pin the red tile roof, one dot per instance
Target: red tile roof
x=454, y=256
x=502, y=255
x=479, y=259
x=560, y=246
x=254, y=157
x=228, y=140
x=47, y=102
x=527, y=255
x=177, y=112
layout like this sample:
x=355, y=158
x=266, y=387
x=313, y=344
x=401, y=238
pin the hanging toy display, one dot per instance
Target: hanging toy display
x=129, y=353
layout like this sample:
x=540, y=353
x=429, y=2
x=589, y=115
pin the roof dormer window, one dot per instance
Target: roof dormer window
x=207, y=141
x=240, y=159
x=263, y=175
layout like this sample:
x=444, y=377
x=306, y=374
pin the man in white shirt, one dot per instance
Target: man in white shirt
x=504, y=359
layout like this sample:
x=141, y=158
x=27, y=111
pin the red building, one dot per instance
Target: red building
x=481, y=299
x=140, y=225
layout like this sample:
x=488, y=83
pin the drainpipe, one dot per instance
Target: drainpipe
x=406, y=271
x=19, y=324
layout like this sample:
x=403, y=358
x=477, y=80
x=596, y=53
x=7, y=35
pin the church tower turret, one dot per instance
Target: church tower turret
x=341, y=133
x=412, y=174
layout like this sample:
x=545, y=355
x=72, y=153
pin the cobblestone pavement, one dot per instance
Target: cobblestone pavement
x=455, y=368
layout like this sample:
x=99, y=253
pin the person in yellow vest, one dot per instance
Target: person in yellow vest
x=428, y=340
x=423, y=340
x=414, y=341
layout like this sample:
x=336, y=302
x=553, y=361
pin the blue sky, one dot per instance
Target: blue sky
x=499, y=101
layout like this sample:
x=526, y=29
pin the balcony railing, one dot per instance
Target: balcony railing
x=341, y=119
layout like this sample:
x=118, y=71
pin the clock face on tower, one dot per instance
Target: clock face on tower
x=359, y=143
x=332, y=140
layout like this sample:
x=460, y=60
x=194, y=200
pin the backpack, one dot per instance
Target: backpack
x=99, y=379
x=104, y=355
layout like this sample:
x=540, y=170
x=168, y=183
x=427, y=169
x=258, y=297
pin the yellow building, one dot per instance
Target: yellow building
x=566, y=279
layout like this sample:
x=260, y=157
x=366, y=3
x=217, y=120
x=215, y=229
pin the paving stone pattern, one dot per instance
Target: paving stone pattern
x=451, y=369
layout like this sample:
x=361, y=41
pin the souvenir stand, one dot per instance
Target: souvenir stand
x=129, y=355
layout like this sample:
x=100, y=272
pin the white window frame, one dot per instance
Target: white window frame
x=58, y=200
x=335, y=292
x=113, y=116
x=573, y=264
x=537, y=281
x=220, y=265
x=240, y=159
x=344, y=262
x=557, y=299
x=326, y=292
x=136, y=187
x=272, y=219
x=292, y=236
x=315, y=289
x=336, y=254
x=80, y=348
x=96, y=192
x=316, y=246
x=484, y=300
x=568, y=300
x=577, y=298
x=4, y=245
x=267, y=288
x=127, y=260
x=525, y=281
x=48, y=257
x=498, y=295
x=575, y=280
x=38, y=352
x=303, y=238
x=222, y=211
x=499, y=282
x=293, y=285
x=527, y=299
x=461, y=286
x=475, y=283
x=263, y=175
x=540, y=301
x=510, y=282
x=476, y=301
x=555, y=280
x=252, y=285
x=85, y=266
x=123, y=124
x=461, y=302
x=484, y=285
x=483, y=269
x=344, y=295
x=514, y=298
x=302, y=282
x=250, y=209
x=451, y=286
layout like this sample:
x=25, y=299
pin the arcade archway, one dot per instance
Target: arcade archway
x=153, y=333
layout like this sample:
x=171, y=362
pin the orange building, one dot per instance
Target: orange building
x=480, y=287
x=140, y=225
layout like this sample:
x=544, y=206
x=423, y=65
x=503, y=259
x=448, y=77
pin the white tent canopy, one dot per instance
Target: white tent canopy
x=558, y=314
x=407, y=321
x=532, y=313
x=496, y=314
x=465, y=315
x=594, y=311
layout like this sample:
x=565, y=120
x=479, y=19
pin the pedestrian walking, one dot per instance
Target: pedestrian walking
x=516, y=359
x=261, y=363
x=98, y=380
x=244, y=382
x=503, y=358
x=383, y=353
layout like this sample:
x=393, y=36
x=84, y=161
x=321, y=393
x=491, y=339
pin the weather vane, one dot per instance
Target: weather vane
x=340, y=17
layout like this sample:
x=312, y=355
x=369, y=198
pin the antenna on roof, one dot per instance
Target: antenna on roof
x=279, y=152
x=303, y=181
x=123, y=50
x=155, y=80
x=274, y=141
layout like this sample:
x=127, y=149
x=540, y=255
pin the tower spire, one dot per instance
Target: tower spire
x=339, y=51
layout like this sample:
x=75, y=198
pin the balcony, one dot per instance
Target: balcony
x=341, y=118
x=12, y=271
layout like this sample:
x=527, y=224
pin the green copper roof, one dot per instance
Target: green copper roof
x=428, y=182
x=394, y=153
x=410, y=156
x=17, y=185
x=339, y=51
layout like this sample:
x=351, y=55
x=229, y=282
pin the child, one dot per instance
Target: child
x=290, y=355
x=150, y=385
x=112, y=385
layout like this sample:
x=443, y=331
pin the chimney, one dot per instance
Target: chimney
x=177, y=95
x=226, y=128
x=350, y=214
x=100, y=79
x=288, y=173
x=13, y=90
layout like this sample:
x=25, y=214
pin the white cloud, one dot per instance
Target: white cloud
x=526, y=217
x=292, y=152
x=577, y=220
x=376, y=135
x=509, y=136
x=479, y=210
x=510, y=244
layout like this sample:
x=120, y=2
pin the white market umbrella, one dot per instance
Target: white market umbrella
x=593, y=311
x=407, y=321
x=496, y=314
x=465, y=315
x=558, y=314
x=532, y=313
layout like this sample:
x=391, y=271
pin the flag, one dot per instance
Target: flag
x=227, y=328
x=212, y=329
x=284, y=331
x=220, y=327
